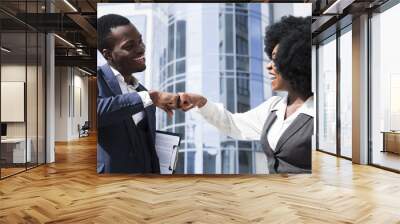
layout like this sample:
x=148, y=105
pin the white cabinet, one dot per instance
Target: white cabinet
x=16, y=149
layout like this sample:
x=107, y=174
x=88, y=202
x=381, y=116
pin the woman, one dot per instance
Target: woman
x=284, y=125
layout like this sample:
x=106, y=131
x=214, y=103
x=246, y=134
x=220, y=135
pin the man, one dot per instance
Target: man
x=125, y=109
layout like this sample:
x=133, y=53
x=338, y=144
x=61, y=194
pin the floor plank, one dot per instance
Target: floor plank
x=70, y=191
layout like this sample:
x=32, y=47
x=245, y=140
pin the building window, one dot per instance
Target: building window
x=181, y=67
x=245, y=157
x=230, y=93
x=327, y=95
x=209, y=161
x=180, y=39
x=346, y=92
x=228, y=157
x=242, y=63
x=171, y=42
x=385, y=89
x=229, y=33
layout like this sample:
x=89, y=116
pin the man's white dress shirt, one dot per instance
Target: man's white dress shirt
x=249, y=125
x=125, y=88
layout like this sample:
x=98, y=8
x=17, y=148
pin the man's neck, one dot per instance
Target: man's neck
x=117, y=69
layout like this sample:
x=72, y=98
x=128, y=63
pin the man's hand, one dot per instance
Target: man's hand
x=165, y=101
x=190, y=100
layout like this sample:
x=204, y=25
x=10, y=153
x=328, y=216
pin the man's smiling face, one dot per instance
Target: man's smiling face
x=127, y=53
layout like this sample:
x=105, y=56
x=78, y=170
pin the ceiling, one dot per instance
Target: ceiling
x=75, y=22
x=330, y=15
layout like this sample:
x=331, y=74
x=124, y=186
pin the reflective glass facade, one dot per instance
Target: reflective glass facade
x=385, y=89
x=237, y=75
x=22, y=78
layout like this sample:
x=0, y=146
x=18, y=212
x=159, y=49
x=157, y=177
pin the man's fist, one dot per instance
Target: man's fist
x=165, y=101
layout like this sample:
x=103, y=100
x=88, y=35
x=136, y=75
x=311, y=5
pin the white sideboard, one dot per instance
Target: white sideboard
x=17, y=145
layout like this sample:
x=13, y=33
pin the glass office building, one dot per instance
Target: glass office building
x=210, y=51
x=215, y=50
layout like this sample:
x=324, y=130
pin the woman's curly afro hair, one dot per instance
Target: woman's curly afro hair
x=293, y=58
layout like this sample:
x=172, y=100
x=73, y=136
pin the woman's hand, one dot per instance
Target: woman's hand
x=190, y=100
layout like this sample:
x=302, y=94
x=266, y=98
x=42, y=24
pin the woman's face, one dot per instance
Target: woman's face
x=278, y=83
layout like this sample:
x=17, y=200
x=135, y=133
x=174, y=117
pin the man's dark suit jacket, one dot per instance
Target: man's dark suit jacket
x=122, y=146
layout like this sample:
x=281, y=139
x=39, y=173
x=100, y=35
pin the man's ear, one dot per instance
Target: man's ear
x=106, y=54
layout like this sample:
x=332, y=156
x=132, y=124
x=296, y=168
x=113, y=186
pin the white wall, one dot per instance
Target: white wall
x=61, y=105
x=71, y=102
x=17, y=73
x=33, y=125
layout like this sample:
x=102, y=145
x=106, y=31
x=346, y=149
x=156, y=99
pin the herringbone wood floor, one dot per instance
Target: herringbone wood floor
x=70, y=191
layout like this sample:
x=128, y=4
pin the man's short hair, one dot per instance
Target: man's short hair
x=104, y=26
